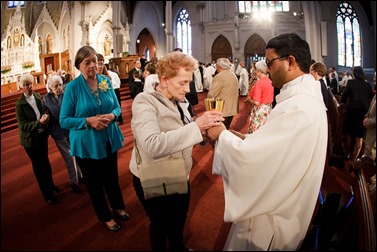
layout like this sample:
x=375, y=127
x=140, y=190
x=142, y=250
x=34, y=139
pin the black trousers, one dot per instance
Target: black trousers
x=228, y=121
x=101, y=179
x=117, y=93
x=41, y=166
x=167, y=216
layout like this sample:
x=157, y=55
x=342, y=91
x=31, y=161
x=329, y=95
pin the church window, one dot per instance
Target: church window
x=348, y=32
x=246, y=7
x=183, y=26
x=14, y=4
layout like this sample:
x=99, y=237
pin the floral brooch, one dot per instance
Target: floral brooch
x=103, y=86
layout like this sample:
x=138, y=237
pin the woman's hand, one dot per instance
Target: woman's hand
x=109, y=116
x=99, y=122
x=44, y=119
x=209, y=119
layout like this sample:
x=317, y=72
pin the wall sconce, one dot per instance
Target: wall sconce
x=299, y=14
x=201, y=4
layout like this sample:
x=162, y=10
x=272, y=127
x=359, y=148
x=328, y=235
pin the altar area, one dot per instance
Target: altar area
x=19, y=54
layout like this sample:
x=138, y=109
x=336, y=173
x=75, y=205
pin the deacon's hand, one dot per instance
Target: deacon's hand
x=214, y=132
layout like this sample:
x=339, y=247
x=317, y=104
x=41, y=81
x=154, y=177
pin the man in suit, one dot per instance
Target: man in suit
x=137, y=67
x=333, y=83
x=143, y=62
x=225, y=86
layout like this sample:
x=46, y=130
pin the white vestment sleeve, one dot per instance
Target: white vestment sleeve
x=265, y=179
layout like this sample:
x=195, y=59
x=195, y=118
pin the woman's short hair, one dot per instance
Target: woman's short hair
x=150, y=67
x=82, y=54
x=170, y=64
x=320, y=68
x=52, y=79
x=26, y=77
x=261, y=66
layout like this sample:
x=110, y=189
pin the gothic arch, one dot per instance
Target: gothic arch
x=221, y=48
x=147, y=44
x=255, y=49
x=104, y=39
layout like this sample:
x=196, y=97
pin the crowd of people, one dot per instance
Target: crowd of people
x=83, y=115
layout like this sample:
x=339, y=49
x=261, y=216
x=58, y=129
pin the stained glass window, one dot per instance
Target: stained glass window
x=348, y=31
x=14, y=4
x=183, y=25
x=262, y=6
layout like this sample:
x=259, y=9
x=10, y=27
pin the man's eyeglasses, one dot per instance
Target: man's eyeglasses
x=270, y=62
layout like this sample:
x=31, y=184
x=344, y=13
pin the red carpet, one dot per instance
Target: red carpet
x=29, y=223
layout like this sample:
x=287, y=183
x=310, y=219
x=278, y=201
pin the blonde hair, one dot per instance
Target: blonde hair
x=170, y=64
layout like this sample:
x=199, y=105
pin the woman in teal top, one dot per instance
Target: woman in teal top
x=89, y=110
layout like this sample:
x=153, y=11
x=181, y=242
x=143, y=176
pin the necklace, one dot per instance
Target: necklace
x=96, y=94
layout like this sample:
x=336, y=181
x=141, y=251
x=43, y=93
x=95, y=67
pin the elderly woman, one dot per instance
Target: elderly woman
x=162, y=126
x=261, y=97
x=53, y=103
x=89, y=110
x=32, y=124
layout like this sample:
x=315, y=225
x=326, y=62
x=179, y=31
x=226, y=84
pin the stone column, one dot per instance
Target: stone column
x=117, y=41
x=84, y=23
x=168, y=27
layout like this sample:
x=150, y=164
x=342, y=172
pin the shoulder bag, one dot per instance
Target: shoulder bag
x=162, y=177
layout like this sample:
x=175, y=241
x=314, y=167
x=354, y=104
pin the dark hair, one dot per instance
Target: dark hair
x=83, y=53
x=151, y=68
x=291, y=44
x=105, y=72
x=177, y=50
x=358, y=73
x=68, y=77
x=100, y=57
x=136, y=74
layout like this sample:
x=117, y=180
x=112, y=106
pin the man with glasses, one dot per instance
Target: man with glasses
x=272, y=177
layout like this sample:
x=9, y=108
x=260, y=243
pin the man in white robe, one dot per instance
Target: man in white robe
x=272, y=177
x=243, y=81
x=198, y=81
x=208, y=76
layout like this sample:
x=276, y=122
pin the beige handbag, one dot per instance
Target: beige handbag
x=162, y=177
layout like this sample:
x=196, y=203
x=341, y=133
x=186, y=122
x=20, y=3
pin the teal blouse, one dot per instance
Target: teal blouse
x=79, y=103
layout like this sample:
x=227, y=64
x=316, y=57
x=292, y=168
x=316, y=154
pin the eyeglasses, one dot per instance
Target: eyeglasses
x=270, y=62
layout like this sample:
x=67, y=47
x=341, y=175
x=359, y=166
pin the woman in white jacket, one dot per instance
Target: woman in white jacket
x=162, y=126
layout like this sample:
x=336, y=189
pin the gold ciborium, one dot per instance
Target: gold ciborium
x=214, y=103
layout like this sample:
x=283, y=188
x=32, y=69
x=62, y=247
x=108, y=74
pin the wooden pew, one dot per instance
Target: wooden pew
x=365, y=213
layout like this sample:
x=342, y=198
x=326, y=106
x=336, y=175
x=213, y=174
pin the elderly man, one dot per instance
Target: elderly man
x=225, y=86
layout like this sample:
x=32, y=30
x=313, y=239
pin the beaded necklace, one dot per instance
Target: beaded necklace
x=96, y=94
